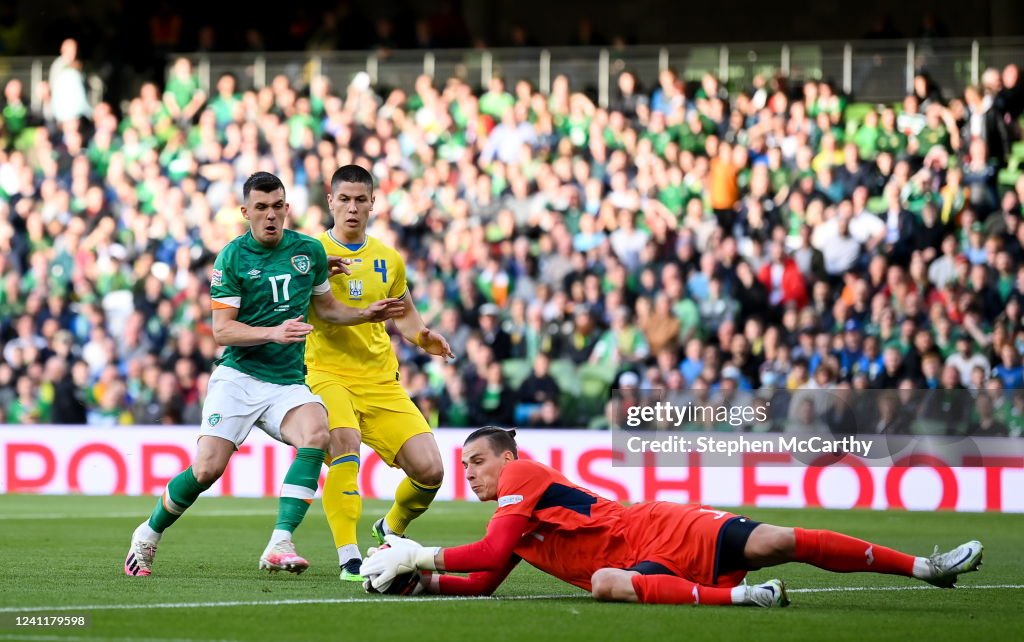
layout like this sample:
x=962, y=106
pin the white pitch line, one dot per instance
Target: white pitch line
x=82, y=638
x=846, y=589
x=434, y=598
x=436, y=511
x=338, y=600
x=211, y=513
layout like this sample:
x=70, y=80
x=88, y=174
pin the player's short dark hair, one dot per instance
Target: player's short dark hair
x=351, y=174
x=501, y=439
x=261, y=182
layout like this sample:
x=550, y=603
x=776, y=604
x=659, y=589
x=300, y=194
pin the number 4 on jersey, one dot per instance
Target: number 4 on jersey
x=381, y=267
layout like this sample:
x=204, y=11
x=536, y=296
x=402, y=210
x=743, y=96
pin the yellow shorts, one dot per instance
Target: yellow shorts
x=382, y=412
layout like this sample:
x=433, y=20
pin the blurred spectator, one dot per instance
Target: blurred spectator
x=183, y=96
x=621, y=344
x=781, y=277
x=1009, y=368
x=68, y=85
x=496, y=403
x=984, y=422
x=548, y=416
x=427, y=403
x=27, y=407
x=580, y=342
x=539, y=386
x=454, y=405
x=628, y=99
x=493, y=334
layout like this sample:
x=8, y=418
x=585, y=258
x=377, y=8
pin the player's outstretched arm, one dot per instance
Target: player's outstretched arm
x=403, y=555
x=334, y=311
x=480, y=583
x=228, y=331
x=492, y=554
x=411, y=325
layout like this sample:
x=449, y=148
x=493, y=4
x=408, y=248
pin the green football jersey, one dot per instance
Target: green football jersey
x=269, y=286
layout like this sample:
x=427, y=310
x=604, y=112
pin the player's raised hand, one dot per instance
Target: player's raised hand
x=337, y=265
x=384, y=309
x=291, y=331
x=433, y=343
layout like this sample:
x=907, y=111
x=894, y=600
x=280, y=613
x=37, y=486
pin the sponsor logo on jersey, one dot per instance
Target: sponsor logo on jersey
x=355, y=288
x=254, y=273
x=213, y=419
x=216, y=278
x=508, y=500
x=719, y=514
x=301, y=263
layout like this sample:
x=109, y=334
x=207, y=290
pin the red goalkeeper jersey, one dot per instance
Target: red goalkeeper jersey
x=569, y=532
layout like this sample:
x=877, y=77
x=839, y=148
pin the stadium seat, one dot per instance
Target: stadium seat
x=596, y=372
x=855, y=112
x=594, y=390
x=564, y=373
x=599, y=422
x=523, y=411
x=928, y=427
x=877, y=205
x=515, y=371
x=1008, y=177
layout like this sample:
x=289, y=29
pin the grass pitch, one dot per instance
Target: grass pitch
x=64, y=555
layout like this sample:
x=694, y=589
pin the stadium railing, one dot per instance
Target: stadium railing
x=872, y=71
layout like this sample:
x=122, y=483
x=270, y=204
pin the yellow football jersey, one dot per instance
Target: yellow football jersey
x=360, y=352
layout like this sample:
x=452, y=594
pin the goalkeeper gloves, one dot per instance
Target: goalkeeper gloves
x=402, y=555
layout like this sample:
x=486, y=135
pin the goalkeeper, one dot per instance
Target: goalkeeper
x=652, y=552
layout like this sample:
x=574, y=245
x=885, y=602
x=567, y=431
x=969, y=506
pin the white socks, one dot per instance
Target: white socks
x=277, y=536
x=739, y=595
x=145, y=532
x=923, y=569
x=348, y=552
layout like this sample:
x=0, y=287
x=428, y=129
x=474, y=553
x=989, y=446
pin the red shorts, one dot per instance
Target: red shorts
x=684, y=538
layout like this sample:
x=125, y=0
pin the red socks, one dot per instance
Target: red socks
x=844, y=554
x=668, y=589
x=825, y=549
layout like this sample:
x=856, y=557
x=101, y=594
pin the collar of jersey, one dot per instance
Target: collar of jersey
x=366, y=239
x=256, y=246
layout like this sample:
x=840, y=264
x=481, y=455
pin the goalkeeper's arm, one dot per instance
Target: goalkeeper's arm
x=492, y=553
x=479, y=583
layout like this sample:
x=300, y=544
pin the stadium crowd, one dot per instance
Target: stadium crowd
x=701, y=239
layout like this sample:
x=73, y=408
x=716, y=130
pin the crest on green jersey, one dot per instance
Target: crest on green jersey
x=213, y=419
x=301, y=263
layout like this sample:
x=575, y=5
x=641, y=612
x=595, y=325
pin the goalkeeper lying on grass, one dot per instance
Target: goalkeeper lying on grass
x=652, y=552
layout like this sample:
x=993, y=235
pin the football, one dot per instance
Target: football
x=403, y=584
